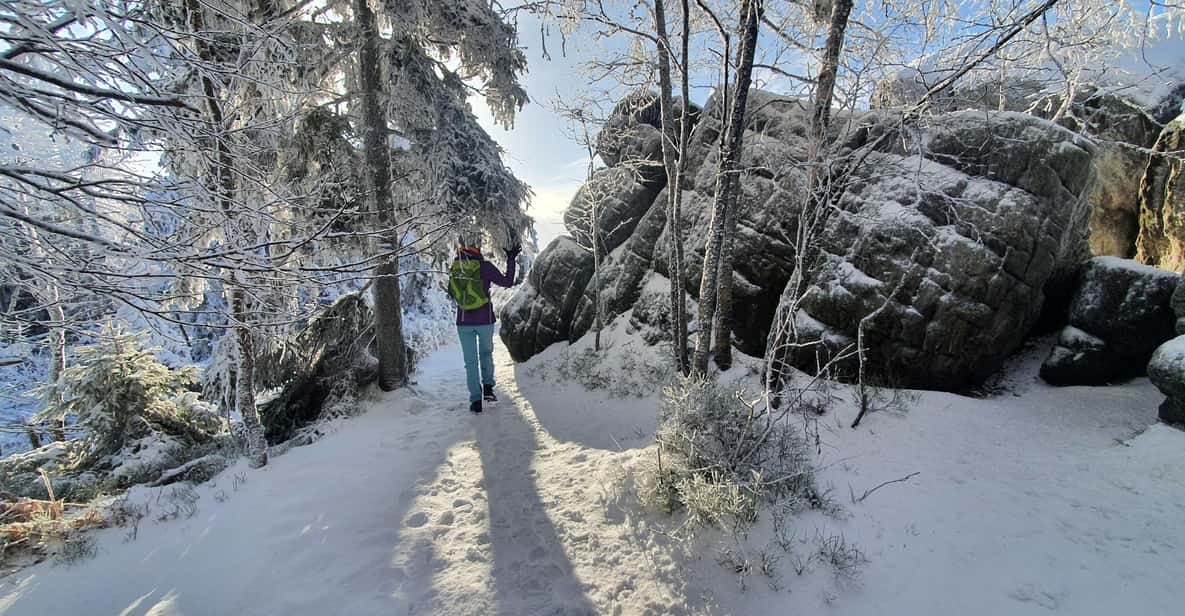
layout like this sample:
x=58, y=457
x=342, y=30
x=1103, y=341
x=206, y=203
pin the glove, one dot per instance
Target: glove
x=514, y=251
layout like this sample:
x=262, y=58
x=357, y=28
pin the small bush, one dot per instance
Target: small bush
x=76, y=548
x=721, y=455
x=845, y=558
x=118, y=391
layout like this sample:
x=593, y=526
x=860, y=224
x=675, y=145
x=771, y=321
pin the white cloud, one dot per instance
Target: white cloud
x=548, y=208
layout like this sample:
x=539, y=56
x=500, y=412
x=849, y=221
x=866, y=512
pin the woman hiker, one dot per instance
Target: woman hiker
x=470, y=277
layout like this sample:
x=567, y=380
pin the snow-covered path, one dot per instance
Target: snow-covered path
x=1040, y=500
x=416, y=507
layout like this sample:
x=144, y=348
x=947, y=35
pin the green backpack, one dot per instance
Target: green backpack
x=464, y=285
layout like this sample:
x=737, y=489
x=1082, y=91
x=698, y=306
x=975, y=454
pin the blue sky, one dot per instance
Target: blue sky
x=538, y=149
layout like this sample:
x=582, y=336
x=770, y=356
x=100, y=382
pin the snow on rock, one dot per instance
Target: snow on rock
x=540, y=313
x=956, y=245
x=1166, y=370
x=1119, y=313
x=1116, y=119
x=976, y=211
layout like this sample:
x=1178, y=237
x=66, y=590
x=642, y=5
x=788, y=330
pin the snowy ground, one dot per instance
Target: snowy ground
x=1041, y=500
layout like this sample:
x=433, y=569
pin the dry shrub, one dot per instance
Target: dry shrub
x=722, y=454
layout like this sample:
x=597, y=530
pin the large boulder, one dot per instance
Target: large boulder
x=1166, y=370
x=962, y=221
x=1122, y=132
x=1162, y=201
x=617, y=198
x=942, y=258
x=767, y=209
x=1120, y=312
x=540, y=313
x=632, y=136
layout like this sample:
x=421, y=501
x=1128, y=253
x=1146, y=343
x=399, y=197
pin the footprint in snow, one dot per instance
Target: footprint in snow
x=1029, y=593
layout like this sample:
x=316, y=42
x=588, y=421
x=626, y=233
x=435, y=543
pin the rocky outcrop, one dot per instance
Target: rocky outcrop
x=949, y=250
x=1122, y=133
x=616, y=198
x=959, y=223
x=1120, y=312
x=540, y=313
x=1162, y=201
x=1166, y=370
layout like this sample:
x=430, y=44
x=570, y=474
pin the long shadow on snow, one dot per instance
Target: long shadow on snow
x=592, y=418
x=532, y=574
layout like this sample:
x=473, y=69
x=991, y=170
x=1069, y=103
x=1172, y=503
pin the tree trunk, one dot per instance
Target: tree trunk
x=722, y=338
x=224, y=189
x=257, y=453
x=725, y=185
x=825, y=91
x=595, y=229
x=783, y=336
x=51, y=298
x=673, y=155
x=677, y=211
x=388, y=311
x=57, y=356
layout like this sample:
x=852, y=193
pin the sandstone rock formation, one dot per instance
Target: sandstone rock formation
x=959, y=222
x=1162, y=201
x=1166, y=370
x=1121, y=130
x=955, y=236
x=1120, y=312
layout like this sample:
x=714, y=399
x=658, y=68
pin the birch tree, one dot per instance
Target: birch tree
x=723, y=220
x=674, y=154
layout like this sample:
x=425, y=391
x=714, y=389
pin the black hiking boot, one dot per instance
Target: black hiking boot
x=488, y=393
x=475, y=406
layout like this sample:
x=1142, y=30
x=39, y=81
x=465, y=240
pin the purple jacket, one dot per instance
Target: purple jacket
x=489, y=274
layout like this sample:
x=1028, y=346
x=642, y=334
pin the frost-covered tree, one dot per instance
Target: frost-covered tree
x=717, y=270
x=676, y=136
x=409, y=70
x=118, y=391
x=220, y=154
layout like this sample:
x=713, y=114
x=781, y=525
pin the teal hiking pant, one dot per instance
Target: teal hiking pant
x=477, y=345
